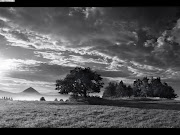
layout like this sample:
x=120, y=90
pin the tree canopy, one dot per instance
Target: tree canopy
x=117, y=90
x=80, y=81
x=141, y=88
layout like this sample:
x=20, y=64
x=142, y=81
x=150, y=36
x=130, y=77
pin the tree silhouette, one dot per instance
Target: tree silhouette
x=110, y=90
x=118, y=90
x=167, y=92
x=80, y=81
x=129, y=91
x=61, y=100
x=141, y=88
x=121, y=90
x=137, y=88
x=42, y=99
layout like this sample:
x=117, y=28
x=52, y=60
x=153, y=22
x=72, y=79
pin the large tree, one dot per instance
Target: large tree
x=142, y=88
x=80, y=81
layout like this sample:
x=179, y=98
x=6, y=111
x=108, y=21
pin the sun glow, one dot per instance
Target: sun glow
x=6, y=65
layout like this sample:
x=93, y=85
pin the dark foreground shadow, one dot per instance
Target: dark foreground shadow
x=153, y=104
x=141, y=104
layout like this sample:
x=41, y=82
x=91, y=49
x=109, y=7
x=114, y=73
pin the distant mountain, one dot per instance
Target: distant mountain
x=30, y=94
x=30, y=90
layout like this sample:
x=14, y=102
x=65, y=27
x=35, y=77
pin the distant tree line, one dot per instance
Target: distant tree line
x=7, y=98
x=83, y=81
x=141, y=88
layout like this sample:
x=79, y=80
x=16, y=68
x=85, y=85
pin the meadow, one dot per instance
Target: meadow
x=108, y=114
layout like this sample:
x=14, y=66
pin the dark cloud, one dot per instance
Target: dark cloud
x=55, y=70
x=3, y=43
x=114, y=73
x=20, y=35
x=16, y=52
x=42, y=72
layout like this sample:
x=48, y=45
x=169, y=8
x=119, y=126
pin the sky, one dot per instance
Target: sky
x=39, y=45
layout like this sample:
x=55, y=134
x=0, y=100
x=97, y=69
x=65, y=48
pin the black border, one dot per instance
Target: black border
x=96, y=3
x=89, y=3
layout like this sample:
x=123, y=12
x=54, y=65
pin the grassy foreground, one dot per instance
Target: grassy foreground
x=135, y=114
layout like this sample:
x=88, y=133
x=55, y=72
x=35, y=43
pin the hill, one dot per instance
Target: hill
x=30, y=90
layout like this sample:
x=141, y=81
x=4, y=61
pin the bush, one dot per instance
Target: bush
x=96, y=96
x=67, y=100
x=61, y=100
x=42, y=99
x=75, y=98
x=55, y=99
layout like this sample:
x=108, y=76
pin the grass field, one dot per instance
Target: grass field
x=115, y=114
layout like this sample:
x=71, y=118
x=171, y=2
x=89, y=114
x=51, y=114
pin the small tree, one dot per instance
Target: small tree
x=66, y=100
x=129, y=91
x=110, y=90
x=42, y=99
x=55, y=99
x=145, y=87
x=61, y=100
x=80, y=81
x=167, y=92
x=137, y=88
x=121, y=89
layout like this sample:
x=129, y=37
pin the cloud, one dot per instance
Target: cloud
x=87, y=11
x=114, y=73
x=20, y=35
x=41, y=76
x=12, y=65
x=118, y=79
x=116, y=64
x=118, y=42
x=18, y=85
x=145, y=67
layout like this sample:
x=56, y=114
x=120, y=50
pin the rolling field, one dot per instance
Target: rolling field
x=118, y=114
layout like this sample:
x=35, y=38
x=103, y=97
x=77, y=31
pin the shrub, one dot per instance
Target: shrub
x=61, y=100
x=42, y=99
x=74, y=98
x=67, y=100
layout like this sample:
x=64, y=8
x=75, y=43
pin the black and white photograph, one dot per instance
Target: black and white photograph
x=89, y=67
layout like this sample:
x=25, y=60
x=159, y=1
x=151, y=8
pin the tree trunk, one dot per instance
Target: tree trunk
x=85, y=94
